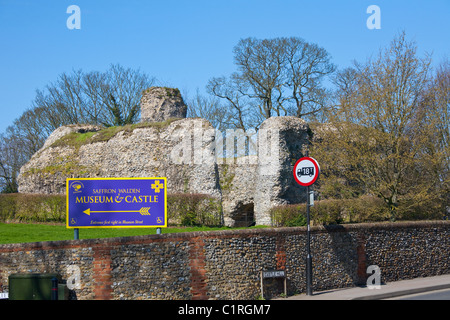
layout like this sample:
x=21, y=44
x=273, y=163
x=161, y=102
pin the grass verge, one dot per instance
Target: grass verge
x=30, y=232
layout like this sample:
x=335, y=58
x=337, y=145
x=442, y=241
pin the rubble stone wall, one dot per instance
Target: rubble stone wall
x=248, y=172
x=227, y=264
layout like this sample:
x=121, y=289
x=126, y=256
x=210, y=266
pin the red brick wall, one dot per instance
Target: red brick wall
x=199, y=285
x=102, y=272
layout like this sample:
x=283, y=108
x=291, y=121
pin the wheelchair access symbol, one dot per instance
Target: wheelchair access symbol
x=306, y=171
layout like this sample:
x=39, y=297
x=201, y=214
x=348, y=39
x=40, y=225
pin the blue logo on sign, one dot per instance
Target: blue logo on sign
x=116, y=202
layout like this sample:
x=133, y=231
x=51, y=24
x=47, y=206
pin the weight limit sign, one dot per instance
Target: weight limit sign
x=306, y=171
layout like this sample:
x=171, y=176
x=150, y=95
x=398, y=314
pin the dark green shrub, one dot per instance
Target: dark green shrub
x=7, y=206
x=32, y=207
x=289, y=215
x=332, y=211
x=193, y=210
x=364, y=209
x=182, y=209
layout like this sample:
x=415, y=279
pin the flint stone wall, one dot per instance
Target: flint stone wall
x=184, y=151
x=142, y=152
x=160, y=104
x=227, y=264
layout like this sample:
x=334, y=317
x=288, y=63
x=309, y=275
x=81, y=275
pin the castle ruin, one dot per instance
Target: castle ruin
x=248, y=172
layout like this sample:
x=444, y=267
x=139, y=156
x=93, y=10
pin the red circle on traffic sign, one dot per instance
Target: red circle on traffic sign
x=306, y=171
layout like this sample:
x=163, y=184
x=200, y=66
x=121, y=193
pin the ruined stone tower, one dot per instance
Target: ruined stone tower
x=189, y=152
x=159, y=104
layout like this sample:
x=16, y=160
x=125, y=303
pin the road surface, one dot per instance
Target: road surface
x=431, y=295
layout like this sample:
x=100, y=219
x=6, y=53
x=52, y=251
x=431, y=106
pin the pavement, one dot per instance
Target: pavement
x=386, y=291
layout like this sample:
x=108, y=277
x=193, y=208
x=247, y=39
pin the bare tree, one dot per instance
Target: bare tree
x=236, y=101
x=307, y=65
x=375, y=141
x=434, y=116
x=260, y=64
x=275, y=77
x=109, y=98
x=12, y=158
x=210, y=108
x=121, y=94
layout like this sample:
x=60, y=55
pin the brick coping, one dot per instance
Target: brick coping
x=186, y=236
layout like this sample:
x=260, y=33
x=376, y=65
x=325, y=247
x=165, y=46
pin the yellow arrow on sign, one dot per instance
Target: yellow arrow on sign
x=143, y=211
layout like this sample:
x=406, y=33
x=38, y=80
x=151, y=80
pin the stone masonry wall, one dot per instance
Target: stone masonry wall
x=186, y=151
x=160, y=104
x=189, y=152
x=227, y=264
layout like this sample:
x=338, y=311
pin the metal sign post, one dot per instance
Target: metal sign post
x=308, y=247
x=306, y=172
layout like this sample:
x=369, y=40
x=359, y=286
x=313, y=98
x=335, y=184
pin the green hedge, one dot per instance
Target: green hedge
x=356, y=210
x=182, y=209
x=193, y=210
x=32, y=208
x=332, y=211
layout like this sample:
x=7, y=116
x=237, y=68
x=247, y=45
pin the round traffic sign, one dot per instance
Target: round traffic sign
x=306, y=171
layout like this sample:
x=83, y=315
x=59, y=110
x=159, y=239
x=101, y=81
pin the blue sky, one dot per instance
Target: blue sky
x=185, y=43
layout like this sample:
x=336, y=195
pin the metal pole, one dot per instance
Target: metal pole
x=76, y=234
x=308, y=248
x=262, y=284
x=158, y=230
